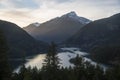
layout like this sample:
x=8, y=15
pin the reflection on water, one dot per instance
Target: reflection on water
x=65, y=56
x=36, y=61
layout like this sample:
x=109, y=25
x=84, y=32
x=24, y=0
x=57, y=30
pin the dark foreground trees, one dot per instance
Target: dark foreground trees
x=51, y=69
x=81, y=71
x=51, y=64
x=5, y=73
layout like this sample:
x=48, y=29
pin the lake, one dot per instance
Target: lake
x=65, y=55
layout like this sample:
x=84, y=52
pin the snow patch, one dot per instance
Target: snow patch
x=36, y=24
x=75, y=17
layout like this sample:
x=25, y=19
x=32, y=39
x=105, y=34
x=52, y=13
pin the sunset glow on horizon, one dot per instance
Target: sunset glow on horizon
x=25, y=12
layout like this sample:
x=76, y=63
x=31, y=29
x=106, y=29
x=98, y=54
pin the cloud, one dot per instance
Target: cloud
x=20, y=17
x=56, y=1
x=24, y=12
x=30, y=4
x=62, y=1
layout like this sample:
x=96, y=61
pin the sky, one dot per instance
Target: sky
x=25, y=12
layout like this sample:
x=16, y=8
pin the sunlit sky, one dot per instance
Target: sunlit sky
x=24, y=12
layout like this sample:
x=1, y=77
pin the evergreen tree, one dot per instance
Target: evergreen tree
x=24, y=73
x=36, y=74
x=113, y=73
x=78, y=62
x=78, y=67
x=98, y=73
x=51, y=63
x=5, y=73
x=89, y=70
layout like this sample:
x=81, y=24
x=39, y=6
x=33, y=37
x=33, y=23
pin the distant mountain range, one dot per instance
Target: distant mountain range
x=20, y=43
x=58, y=29
x=101, y=38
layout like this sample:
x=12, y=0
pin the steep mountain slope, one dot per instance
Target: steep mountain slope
x=98, y=32
x=100, y=35
x=19, y=41
x=58, y=29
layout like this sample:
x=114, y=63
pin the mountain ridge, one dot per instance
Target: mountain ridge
x=100, y=38
x=19, y=41
x=57, y=29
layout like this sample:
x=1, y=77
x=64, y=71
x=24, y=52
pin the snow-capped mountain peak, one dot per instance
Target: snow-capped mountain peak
x=72, y=15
